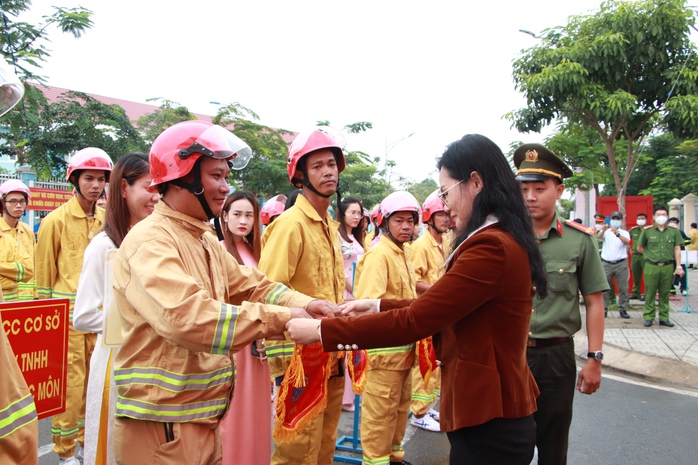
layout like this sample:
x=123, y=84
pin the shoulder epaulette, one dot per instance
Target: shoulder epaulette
x=580, y=227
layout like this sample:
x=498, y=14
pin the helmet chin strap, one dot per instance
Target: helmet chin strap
x=197, y=188
x=10, y=214
x=390, y=235
x=433, y=225
x=306, y=182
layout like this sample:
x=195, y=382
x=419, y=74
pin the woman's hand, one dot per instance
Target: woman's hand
x=303, y=331
x=359, y=307
x=322, y=308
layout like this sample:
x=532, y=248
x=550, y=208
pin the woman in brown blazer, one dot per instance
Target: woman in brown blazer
x=478, y=312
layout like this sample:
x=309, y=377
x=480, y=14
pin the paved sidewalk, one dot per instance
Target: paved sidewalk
x=658, y=353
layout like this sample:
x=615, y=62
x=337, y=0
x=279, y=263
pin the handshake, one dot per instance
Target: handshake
x=305, y=328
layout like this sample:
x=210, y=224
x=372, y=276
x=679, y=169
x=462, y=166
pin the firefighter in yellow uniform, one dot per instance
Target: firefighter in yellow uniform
x=63, y=237
x=301, y=249
x=385, y=272
x=186, y=305
x=16, y=243
x=428, y=258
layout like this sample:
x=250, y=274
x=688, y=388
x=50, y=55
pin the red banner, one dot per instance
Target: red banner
x=427, y=359
x=303, y=393
x=47, y=199
x=38, y=333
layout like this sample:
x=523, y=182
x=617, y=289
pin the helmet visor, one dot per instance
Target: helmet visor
x=11, y=90
x=217, y=142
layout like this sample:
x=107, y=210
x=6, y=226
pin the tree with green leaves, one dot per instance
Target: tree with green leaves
x=361, y=179
x=620, y=72
x=72, y=123
x=25, y=45
x=675, y=165
x=265, y=174
x=422, y=189
x=168, y=113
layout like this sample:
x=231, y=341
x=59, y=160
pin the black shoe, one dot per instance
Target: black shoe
x=642, y=298
x=624, y=314
x=404, y=462
x=666, y=323
x=634, y=297
x=647, y=323
x=605, y=313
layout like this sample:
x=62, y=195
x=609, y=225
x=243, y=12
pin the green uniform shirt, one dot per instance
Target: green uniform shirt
x=572, y=264
x=635, y=233
x=659, y=245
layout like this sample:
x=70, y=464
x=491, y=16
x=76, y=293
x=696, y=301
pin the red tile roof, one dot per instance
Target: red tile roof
x=134, y=110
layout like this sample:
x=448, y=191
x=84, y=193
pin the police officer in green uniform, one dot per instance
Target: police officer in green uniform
x=573, y=264
x=638, y=262
x=661, y=247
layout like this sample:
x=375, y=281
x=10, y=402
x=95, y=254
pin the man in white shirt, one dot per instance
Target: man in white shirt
x=614, y=255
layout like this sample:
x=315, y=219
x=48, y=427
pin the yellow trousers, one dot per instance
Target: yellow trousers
x=69, y=426
x=317, y=442
x=424, y=398
x=138, y=442
x=384, y=410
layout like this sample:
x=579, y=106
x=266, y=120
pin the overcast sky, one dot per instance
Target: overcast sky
x=436, y=69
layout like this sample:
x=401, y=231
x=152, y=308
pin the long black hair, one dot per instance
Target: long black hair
x=500, y=195
x=358, y=231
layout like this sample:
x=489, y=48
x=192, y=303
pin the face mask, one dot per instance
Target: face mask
x=661, y=220
x=598, y=227
x=641, y=222
x=673, y=225
x=615, y=223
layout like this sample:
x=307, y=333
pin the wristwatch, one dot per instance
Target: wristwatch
x=598, y=355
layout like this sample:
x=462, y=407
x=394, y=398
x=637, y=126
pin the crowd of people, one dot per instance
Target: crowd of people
x=222, y=301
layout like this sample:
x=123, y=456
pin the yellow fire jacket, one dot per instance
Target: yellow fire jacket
x=63, y=237
x=427, y=258
x=385, y=272
x=16, y=259
x=302, y=251
x=186, y=306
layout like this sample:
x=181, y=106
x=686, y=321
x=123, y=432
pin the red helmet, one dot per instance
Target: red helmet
x=90, y=158
x=306, y=143
x=374, y=213
x=400, y=201
x=270, y=209
x=175, y=151
x=431, y=205
x=14, y=185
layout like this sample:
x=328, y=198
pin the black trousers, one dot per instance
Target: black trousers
x=555, y=372
x=502, y=441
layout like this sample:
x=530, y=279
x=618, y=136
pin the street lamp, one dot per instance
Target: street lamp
x=388, y=148
x=526, y=31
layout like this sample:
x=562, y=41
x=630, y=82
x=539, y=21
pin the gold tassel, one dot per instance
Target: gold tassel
x=295, y=373
x=358, y=385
